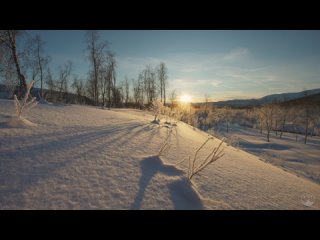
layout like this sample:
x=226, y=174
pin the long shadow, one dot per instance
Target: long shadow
x=87, y=135
x=13, y=184
x=184, y=196
x=181, y=190
x=136, y=132
x=22, y=168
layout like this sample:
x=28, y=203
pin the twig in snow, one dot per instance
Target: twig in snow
x=214, y=155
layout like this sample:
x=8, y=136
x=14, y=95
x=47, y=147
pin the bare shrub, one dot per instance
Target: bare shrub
x=156, y=108
x=25, y=105
x=197, y=165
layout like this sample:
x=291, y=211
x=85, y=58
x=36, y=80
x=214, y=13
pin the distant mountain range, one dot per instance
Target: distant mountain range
x=282, y=97
x=313, y=94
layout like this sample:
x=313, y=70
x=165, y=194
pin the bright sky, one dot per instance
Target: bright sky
x=232, y=64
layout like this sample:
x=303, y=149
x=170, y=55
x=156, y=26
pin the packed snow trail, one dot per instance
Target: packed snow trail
x=80, y=157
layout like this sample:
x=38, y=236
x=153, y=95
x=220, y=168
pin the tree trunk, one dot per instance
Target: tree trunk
x=41, y=79
x=282, y=128
x=109, y=97
x=164, y=95
x=40, y=66
x=161, y=90
x=113, y=90
x=23, y=84
x=306, y=135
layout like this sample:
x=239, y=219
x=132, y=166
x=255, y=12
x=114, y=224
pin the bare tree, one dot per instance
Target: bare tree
x=103, y=82
x=257, y=114
x=8, y=41
x=296, y=118
x=117, y=97
x=138, y=93
x=149, y=82
x=121, y=94
x=40, y=60
x=162, y=76
x=107, y=80
x=79, y=88
x=307, y=117
x=126, y=91
x=227, y=116
x=97, y=50
x=90, y=86
x=8, y=73
x=284, y=109
x=267, y=112
x=51, y=85
x=173, y=97
x=206, y=111
x=111, y=76
x=64, y=74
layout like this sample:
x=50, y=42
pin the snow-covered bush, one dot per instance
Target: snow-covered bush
x=156, y=108
x=195, y=165
x=25, y=105
x=167, y=112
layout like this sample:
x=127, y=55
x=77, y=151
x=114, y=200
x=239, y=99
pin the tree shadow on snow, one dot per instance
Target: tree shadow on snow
x=182, y=194
x=27, y=165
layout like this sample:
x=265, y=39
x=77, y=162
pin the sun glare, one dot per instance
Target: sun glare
x=185, y=98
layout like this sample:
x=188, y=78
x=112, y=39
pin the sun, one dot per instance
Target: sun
x=185, y=98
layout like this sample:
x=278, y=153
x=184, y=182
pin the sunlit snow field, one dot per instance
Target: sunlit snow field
x=80, y=157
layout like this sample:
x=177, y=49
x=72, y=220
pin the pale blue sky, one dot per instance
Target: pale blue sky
x=222, y=64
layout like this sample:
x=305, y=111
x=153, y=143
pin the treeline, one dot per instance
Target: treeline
x=296, y=116
x=22, y=55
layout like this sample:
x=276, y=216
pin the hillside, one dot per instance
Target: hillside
x=81, y=157
x=282, y=97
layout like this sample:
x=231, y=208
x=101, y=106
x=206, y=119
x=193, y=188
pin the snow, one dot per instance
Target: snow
x=296, y=157
x=80, y=157
x=43, y=101
x=18, y=122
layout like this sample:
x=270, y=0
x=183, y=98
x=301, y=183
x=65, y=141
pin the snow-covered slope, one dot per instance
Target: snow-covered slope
x=79, y=157
x=288, y=152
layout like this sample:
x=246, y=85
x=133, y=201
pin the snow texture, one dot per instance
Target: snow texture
x=80, y=157
x=287, y=153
